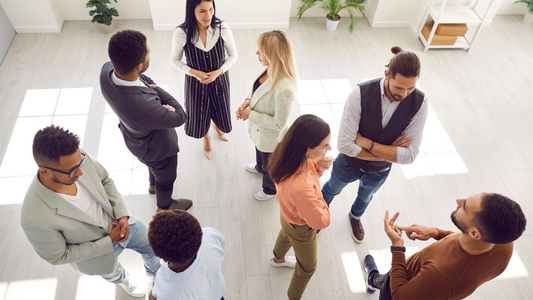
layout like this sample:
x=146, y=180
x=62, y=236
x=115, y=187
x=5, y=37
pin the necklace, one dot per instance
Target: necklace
x=479, y=251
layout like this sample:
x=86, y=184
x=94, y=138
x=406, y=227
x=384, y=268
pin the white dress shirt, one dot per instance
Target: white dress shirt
x=351, y=117
x=121, y=82
x=202, y=280
x=180, y=39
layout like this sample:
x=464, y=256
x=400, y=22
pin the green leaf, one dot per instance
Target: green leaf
x=101, y=7
x=107, y=20
x=306, y=4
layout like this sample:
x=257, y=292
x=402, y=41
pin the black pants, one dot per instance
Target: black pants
x=163, y=173
x=382, y=282
x=262, y=167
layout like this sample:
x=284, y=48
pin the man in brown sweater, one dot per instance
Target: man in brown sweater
x=456, y=265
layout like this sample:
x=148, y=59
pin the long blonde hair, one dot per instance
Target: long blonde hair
x=276, y=47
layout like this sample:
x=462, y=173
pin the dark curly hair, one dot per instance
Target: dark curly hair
x=52, y=142
x=127, y=49
x=174, y=235
x=500, y=220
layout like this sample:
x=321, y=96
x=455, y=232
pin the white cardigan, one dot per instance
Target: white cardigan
x=269, y=118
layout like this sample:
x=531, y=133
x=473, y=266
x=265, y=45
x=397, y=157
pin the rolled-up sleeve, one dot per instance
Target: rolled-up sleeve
x=415, y=130
x=350, y=124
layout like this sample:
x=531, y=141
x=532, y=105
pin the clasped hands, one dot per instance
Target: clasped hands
x=413, y=232
x=204, y=77
x=120, y=231
x=243, y=111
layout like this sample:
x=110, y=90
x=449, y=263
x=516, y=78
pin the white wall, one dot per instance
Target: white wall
x=32, y=15
x=167, y=14
x=317, y=12
x=7, y=33
x=49, y=15
x=127, y=9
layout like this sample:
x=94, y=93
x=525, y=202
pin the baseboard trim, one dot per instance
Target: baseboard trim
x=158, y=27
x=390, y=24
x=37, y=29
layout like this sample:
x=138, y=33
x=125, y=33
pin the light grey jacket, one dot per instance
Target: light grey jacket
x=61, y=233
x=269, y=118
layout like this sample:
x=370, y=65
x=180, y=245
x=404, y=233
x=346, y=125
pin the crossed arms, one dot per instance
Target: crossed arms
x=404, y=149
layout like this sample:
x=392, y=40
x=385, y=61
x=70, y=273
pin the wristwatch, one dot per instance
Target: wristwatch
x=393, y=248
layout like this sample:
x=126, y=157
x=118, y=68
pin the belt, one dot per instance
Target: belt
x=368, y=172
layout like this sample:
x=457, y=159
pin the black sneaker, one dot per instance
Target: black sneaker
x=370, y=268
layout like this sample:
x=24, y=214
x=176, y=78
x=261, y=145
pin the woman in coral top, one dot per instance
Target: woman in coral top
x=295, y=167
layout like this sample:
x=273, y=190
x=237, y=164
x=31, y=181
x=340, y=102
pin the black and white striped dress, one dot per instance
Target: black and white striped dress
x=206, y=102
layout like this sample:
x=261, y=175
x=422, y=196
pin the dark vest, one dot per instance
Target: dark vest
x=371, y=119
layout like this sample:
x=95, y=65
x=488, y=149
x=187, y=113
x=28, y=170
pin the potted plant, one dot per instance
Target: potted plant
x=102, y=14
x=332, y=9
x=528, y=18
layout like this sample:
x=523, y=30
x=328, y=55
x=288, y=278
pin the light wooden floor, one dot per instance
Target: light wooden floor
x=479, y=137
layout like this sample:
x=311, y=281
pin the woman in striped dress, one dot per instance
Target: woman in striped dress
x=204, y=39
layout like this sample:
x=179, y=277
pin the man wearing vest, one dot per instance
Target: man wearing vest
x=382, y=123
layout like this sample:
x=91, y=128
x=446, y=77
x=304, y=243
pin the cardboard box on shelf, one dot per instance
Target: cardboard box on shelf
x=438, y=40
x=452, y=29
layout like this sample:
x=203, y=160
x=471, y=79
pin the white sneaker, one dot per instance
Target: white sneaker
x=133, y=289
x=251, y=168
x=261, y=196
x=290, y=262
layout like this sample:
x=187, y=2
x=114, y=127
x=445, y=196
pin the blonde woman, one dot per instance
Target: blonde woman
x=269, y=103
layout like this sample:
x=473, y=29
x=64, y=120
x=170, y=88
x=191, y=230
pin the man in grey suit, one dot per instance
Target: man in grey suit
x=74, y=214
x=147, y=113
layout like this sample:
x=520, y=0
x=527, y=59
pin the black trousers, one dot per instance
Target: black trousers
x=261, y=158
x=382, y=282
x=163, y=173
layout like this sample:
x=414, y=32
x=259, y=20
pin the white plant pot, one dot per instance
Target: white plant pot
x=528, y=19
x=105, y=28
x=332, y=25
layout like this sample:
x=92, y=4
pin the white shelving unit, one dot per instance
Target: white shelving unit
x=444, y=14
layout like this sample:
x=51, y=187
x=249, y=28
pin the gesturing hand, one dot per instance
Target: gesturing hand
x=420, y=232
x=402, y=141
x=393, y=231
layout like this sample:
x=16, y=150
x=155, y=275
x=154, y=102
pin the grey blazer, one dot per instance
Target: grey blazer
x=61, y=233
x=269, y=118
x=147, y=126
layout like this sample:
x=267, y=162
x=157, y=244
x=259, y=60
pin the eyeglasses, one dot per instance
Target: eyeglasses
x=72, y=172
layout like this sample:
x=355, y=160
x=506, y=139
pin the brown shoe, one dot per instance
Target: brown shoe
x=358, y=233
x=182, y=204
x=151, y=189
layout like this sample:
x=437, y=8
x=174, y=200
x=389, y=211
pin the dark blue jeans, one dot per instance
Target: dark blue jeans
x=382, y=282
x=343, y=173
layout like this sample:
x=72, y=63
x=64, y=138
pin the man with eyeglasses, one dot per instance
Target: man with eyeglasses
x=74, y=214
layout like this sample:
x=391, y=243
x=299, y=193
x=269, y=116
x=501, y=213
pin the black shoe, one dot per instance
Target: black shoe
x=370, y=268
x=182, y=204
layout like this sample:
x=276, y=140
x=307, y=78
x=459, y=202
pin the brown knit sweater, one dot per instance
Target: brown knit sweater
x=444, y=270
